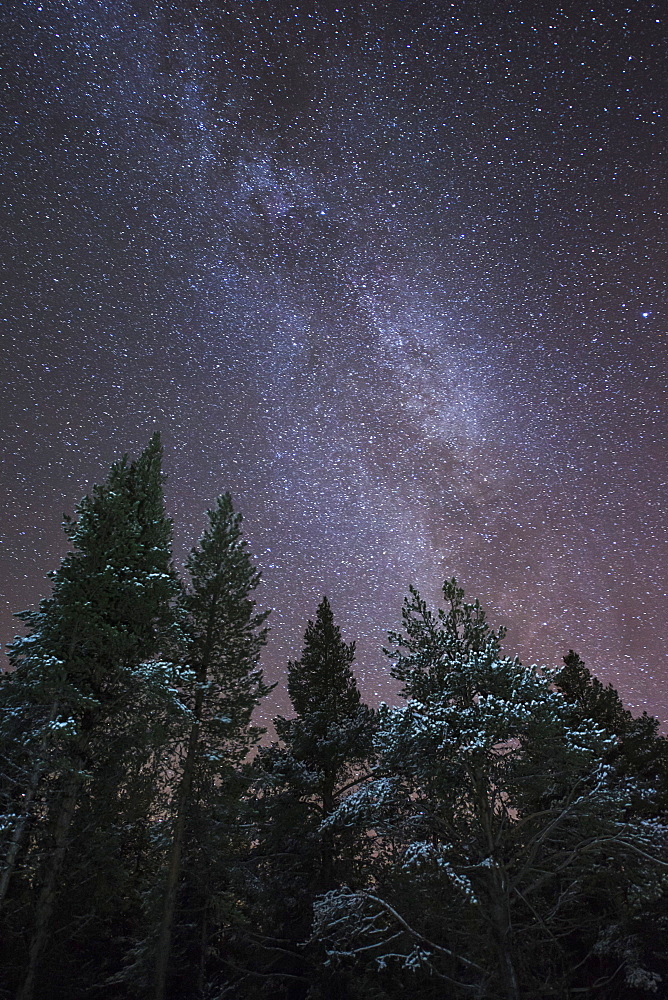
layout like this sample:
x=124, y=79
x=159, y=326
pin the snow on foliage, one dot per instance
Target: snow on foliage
x=490, y=794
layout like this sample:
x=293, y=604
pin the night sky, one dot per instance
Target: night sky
x=394, y=274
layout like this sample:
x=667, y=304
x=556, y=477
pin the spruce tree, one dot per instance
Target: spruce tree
x=638, y=750
x=594, y=701
x=109, y=611
x=639, y=753
x=222, y=683
x=331, y=728
x=323, y=754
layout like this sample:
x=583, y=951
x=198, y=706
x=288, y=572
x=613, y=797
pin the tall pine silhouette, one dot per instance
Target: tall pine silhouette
x=74, y=672
x=223, y=638
x=322, y=755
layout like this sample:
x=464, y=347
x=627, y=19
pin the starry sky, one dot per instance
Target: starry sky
x=392, y=273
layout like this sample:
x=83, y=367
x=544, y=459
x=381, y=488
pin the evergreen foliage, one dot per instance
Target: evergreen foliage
x=501, y=833
x=222, y=684
x=322, y=755
x=492, y=821
x=637, y=749
x=78, y=682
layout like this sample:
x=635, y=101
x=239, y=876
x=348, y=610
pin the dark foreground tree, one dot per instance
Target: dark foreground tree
x=637, y=748
x=76, y=675
x=500, y=847
x=223, y=684
x=638, y=753
x=323, y=754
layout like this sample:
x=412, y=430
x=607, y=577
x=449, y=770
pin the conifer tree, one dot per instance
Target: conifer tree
x=322, y=756
x=638, y=750
x=639, y=754
x=108, y=612
x=593, y=699
x=491, y=821
x=331, y=729
x=223, y=638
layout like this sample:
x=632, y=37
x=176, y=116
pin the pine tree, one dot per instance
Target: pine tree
x=492, y=820
x=639, y=753
x=638, y=750
x=331, y=729
x=593, y=700
x=324, y=749
x=223, y=683
x=108, y=612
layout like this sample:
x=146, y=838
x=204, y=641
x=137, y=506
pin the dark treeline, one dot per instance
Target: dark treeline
x=500, y=834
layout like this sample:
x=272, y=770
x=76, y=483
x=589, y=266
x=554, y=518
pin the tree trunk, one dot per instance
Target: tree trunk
x=327, y=838
x=16, y=841
x=499, y=893
x=203, y=947
x=508, y=974
x=502, y=937
x=35, y=778
x=48, y=892
x=175, y=854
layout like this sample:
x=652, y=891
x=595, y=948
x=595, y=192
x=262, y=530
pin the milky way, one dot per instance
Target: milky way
x=394, y=274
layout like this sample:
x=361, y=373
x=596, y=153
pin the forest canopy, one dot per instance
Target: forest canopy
x=502, y=832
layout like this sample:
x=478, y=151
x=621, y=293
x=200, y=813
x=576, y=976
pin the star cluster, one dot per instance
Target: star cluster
x=394, y=274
